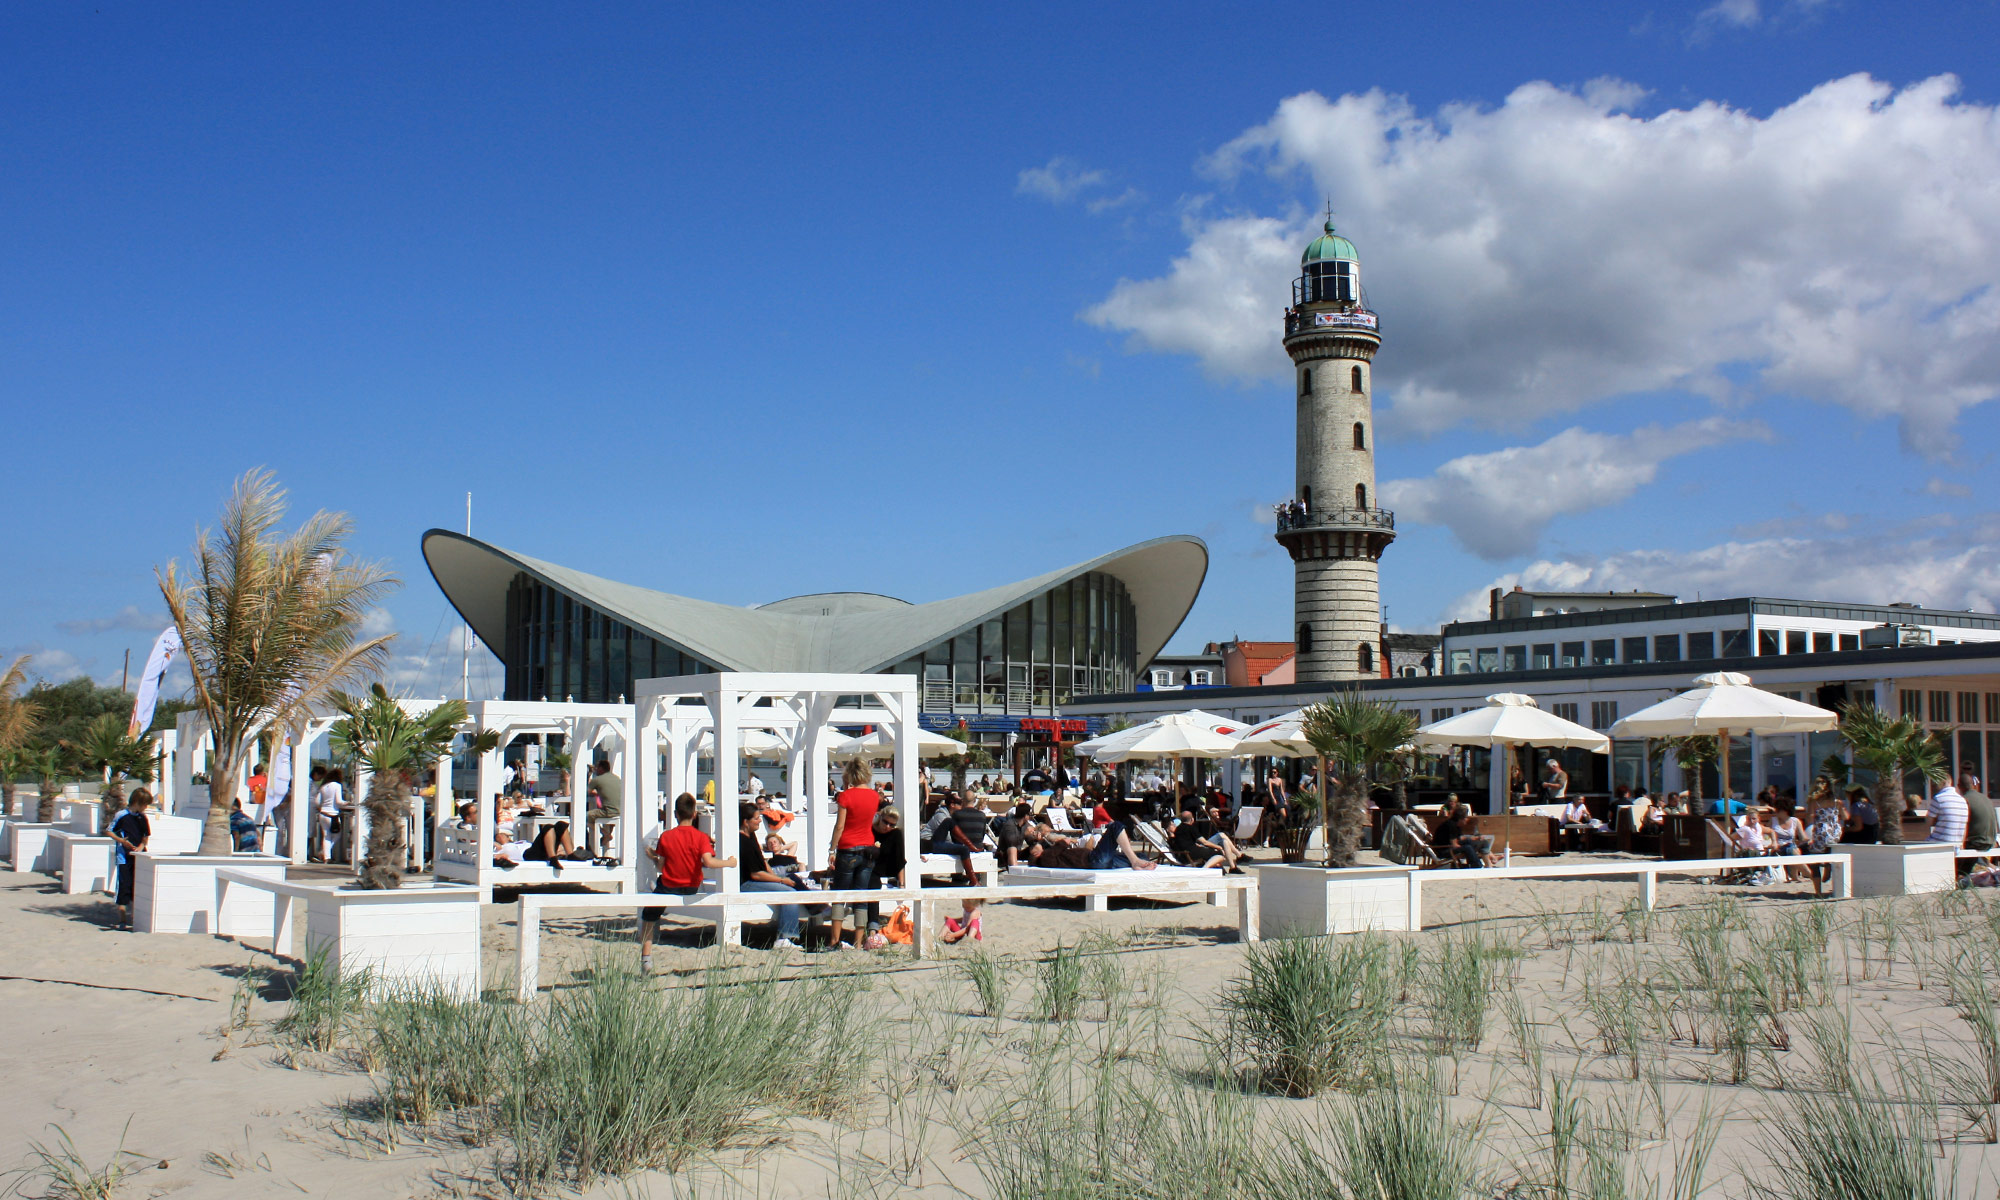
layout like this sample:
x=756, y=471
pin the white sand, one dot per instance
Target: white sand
x=108, y=1028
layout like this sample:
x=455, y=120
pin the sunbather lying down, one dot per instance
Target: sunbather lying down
x=552, y=845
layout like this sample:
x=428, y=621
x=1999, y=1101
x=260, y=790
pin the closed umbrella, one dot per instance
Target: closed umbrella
x=1722, y=703
x=1509, y=719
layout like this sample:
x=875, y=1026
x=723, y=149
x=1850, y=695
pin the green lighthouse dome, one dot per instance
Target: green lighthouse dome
x=1328, y=247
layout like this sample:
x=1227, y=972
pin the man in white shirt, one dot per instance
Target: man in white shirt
x=1948, y=813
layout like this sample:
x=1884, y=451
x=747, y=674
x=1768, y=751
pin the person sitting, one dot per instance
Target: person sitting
x=1948, y=814
x=780, y=854
x=1576, y=824
x=1197, y=851
x=242, y=828
x=940, y=836
x=1113, y=850
x=1981, y=824
x=1862, y=826
x=1010, y=837
x=1472, y=848
x=1752, y=840
x=757, y=876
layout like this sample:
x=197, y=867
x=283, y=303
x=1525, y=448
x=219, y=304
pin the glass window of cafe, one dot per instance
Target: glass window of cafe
x=1079, y=638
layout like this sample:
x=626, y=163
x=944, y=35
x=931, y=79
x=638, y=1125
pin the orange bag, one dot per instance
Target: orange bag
x=899, y=929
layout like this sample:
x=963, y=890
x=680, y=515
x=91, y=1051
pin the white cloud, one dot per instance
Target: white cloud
x=1945, y=487
x=1497, y=505
x=48, y=663
x=1740, y=13
x=1554, y=252
x=130, y=619
x=1059, y=181
x=1938, y=564
x=1130, y=195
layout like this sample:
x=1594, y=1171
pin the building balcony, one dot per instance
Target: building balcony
x=1293, y=519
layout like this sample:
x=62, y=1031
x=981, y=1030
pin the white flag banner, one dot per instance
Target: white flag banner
x=279, y=779
x=165, y=647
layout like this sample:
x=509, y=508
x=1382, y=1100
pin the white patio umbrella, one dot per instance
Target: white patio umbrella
x=880, y=744
x=1509, y=719
x=1722, y=703
x=753, y=743
x=1279, y=737
x=1102, y=745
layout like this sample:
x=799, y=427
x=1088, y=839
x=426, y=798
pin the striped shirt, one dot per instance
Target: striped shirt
x=1948, y=816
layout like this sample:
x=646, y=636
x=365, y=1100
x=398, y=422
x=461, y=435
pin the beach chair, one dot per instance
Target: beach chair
x=1247, y=821
x=1059, y=820
x=1404, y=842
x=1157, y=839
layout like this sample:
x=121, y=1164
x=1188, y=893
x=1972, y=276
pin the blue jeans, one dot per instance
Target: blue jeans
x=788, y=914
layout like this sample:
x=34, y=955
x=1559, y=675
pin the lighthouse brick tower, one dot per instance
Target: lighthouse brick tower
x=1332, y=528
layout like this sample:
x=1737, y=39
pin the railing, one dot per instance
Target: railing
x=1291, y=517
x=1359, y=318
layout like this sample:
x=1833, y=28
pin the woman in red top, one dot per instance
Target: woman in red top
x=853, y=859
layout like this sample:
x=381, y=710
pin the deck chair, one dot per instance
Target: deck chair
x=1404, y=842
x=1059, y=820
x=1157, y=838
x=1247, y=820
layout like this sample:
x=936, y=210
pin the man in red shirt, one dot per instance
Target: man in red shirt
x=684, y=853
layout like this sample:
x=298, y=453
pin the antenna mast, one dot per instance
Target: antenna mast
x=465, y=664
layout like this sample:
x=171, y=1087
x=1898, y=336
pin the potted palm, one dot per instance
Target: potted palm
x=1690, y=753
x=1892, y=749
x=395, y=745
x=108, y=748
x=1354, y=737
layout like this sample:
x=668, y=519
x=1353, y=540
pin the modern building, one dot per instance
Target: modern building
x=988, y=661
x=1331, y=527
x=1550, y=631
x=1954, y=689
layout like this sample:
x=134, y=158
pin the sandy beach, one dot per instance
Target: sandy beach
x=164, y=1044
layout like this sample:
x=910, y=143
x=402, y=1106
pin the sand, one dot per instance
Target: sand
x=154, y=1042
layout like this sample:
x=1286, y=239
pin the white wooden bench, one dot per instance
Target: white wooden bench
x=728, y=911
x=1021, y=877
x=1647, y=874
x=461, y=858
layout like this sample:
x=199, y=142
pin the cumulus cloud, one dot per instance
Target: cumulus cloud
x=1497, y=505
x=1939, y=564
x=1556, y=251
x=1740, y=13
x=130, y=619
x=1059, y=181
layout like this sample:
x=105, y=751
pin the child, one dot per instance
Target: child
x=131, y=831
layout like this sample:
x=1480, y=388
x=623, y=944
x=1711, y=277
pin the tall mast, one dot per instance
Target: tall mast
x=465, y=664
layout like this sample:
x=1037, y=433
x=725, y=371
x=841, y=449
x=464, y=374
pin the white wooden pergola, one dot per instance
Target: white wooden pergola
x=587, y=730
x=675, y=716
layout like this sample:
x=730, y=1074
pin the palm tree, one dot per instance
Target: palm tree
x=270, y=625
x=1891, y=749
x=1357, y=736
x=47, y=764
x=18, y=718
x=107, y=748
x=395, y=745
x=1691, y=753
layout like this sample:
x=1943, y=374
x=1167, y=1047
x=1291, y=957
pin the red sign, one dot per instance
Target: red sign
x=1054, y=724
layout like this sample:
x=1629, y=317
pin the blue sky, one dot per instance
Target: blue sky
x=742, y=305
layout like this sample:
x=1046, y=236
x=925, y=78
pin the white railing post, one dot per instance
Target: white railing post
x=528, y=946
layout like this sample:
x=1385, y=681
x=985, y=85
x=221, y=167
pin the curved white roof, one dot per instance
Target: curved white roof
x=845, y=634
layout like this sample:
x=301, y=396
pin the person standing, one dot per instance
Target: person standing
x=852, y=857
x=759, y=877
x=132, y=832
x=606, y=803
x=1982, y=824
x=685, y=852
x=326, y=815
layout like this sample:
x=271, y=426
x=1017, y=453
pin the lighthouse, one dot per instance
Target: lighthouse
x=1333, y=528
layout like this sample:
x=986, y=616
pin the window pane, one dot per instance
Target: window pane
x=1572, y=654
x=1822, y=643
x=1603, y=652
x=1767, y=641
x=1635, y=649
x=1795, y=641
x=1489, y=659
x=1735, y=643
x=1517, y=658
x=1667, y=647
x=1545, y=656
x=1850, y=641
x=1701, y=645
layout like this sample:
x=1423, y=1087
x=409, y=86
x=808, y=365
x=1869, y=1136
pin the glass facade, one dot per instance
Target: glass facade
x=1079, y=638
x=559, y=648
